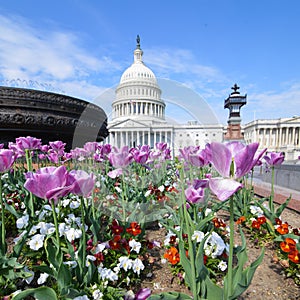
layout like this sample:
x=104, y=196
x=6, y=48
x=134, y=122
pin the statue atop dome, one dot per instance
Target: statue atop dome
x=138, y=40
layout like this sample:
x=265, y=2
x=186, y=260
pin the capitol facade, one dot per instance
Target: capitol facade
x=138, y=114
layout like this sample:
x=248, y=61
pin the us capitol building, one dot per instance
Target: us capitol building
x=138, y=114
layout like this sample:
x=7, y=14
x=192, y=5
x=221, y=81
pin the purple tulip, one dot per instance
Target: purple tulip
x=194, y=195
x=120, y=158
x=161, y=146
x=84, y=182
x=143, y=294
x=223, y=188
x=200, y=158
x=58, y=147
x=274, y=158
x=91, y=147
x=186, y=151
x=140, y=155
x=234, y=154
x=28, y=142
x=7, y=158
x=50, y=183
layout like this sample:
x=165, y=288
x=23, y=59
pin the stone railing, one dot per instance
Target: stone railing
x=286, y=175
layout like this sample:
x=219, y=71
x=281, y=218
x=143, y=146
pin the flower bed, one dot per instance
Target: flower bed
x=78, y=220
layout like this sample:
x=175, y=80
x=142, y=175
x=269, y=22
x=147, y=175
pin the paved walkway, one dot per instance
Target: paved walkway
x=263, y=189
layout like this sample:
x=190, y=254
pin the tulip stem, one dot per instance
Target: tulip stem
x=228, y=291
x=271, y=204
x=82, y=206
x=29, y=169
x=2, y=222
x=55, y=223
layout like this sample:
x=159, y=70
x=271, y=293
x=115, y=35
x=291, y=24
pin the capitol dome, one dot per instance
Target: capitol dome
x=138, y=94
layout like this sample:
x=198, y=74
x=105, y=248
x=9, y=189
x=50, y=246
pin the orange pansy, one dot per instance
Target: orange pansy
x=172, y=255
x=294, y=256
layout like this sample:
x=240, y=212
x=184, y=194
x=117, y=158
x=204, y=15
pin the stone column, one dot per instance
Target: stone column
x=293, y=136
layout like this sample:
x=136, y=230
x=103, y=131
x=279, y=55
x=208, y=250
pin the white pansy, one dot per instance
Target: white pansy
x=84, y=297
x=107, y=274
x=71, y=263
x=161, y=188
x=125, y=263
x=97, y=295
x=100, y=247
x=198, y=236
x=36, y=242
x=29, y=278
x=148, y=193
x=256, y=211
x=207, y=211
x=42, y=279
x=65, y=202
x=216, y=245
x=18, y=238
x=89, y=258
x=73, y=234
x=33, y=230
x=62, y=228
x=137, y=266
x=22, y=222
x=135, y=246
x=222, y=265
x=74, y=204
x=46, y=228
x=130, y=295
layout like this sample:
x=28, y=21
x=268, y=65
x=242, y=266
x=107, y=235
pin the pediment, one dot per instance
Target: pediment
x=129, y=123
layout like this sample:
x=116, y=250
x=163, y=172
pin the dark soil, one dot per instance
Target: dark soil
x=269, y=281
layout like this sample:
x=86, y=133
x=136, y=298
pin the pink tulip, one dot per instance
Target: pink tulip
x=84, y=182
x=274, y=158
x=234, y=159
x=7, y=158
x=50, y=183
x=30, y=143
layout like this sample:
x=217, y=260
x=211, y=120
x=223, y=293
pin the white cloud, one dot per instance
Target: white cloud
x=274, y=104
x=37, y=54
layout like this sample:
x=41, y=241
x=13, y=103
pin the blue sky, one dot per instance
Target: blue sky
x=82, y=47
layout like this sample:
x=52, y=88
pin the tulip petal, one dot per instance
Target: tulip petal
x=221, y=158
x=244, y=160
x=224, y=188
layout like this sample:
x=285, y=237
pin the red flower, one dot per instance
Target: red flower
x=241, y=220
x=172, y=255
x=278, y=221
x=255, y=224
x=288, y=245
x=218, y=223
x=283, y=228
x=116, y=228
x=261, y=220
x=294, y=256
x=99, y=258
x=115, y=243
x=134, y=228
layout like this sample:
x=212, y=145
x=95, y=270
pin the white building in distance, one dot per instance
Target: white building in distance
x=138, y=114
x=279, y=135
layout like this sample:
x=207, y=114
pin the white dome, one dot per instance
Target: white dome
x=138, y=72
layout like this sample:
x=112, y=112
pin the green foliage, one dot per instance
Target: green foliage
x=41, y=293
x=10, y=272
x=169, y=296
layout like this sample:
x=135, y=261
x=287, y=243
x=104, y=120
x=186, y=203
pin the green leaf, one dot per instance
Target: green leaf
x=170, y=296
x=64, y=277
x=41, y=293
x=242, y=277
x=280, y=209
